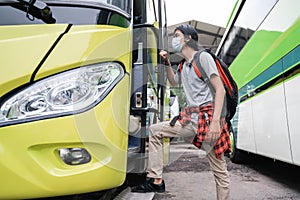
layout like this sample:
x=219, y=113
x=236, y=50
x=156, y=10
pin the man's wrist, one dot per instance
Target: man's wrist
x=167, y=62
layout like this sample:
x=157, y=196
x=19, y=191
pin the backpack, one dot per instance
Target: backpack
x=228, y=82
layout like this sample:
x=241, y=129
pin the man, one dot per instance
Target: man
x=202, y=116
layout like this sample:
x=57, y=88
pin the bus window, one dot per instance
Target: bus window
x=251, y=17
x=151, y=12
x=124, y=4
x=118, y=20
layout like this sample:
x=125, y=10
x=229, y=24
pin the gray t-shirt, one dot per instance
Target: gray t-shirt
x=197, y=91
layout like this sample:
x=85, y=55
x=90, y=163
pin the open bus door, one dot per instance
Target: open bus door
x=148, y=79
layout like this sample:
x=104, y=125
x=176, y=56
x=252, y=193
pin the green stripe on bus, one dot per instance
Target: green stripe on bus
x=287, y=63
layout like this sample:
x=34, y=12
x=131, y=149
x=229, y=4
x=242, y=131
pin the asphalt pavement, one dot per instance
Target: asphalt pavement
x=188, y=176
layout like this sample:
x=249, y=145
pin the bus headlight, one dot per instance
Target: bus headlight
x=66, y=93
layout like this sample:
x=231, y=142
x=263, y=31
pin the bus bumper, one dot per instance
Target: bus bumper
x=30, y=162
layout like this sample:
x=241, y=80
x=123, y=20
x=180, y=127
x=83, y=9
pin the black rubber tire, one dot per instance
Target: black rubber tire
x=236, y=155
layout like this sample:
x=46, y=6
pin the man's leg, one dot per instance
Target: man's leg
x=219, y=168
x=157, y=133
x=155, y=162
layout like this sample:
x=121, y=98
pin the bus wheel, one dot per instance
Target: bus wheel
x=235, y=155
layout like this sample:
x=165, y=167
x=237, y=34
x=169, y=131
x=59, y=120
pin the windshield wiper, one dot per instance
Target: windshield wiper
x=38, y=9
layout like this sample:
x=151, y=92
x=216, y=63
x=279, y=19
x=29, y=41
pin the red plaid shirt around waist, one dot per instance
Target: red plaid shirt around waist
x=204, y=119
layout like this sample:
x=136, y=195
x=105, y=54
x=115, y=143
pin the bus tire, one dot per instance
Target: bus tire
x=236, y=155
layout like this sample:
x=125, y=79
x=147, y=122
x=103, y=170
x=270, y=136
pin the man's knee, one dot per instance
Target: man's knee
x=158, y=127
x=222, y=178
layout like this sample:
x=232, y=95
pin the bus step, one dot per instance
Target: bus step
x=128, y=195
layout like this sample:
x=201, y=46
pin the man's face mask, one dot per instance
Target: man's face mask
x=176, y=44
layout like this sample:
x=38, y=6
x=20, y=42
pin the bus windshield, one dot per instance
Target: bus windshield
x=88, y=12
x=122, y=4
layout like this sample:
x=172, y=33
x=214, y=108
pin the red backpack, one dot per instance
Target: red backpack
x=228, y=82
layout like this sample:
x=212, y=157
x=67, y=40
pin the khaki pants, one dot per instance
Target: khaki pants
x=164, y=130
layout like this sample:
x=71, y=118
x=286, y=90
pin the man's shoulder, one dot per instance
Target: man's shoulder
x=204, y=54
x=208, y=63
x=205, y=58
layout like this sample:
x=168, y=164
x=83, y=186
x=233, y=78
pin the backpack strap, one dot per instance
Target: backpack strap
x=207, y=80
x=199, y=69
x=199, y=74
x=194, y=66
x=181, y=65
x=223, y=74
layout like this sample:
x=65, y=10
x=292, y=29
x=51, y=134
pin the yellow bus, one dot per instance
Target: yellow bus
x=73, y=93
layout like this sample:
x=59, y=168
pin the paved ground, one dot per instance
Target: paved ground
x=188, y=177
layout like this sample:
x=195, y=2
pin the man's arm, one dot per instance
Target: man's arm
x=216, y=82
x=214, y=129
x=170, y=73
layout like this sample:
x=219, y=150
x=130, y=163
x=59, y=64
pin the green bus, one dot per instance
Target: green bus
x=261, y=48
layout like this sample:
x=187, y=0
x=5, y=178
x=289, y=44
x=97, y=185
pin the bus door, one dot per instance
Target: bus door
x=147, y=79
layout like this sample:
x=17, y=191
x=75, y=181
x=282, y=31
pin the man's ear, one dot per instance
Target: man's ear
x=187, y=38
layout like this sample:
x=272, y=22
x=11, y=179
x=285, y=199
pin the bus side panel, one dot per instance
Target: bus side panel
x=271, y=136
x=246, y=140
x=293, y=109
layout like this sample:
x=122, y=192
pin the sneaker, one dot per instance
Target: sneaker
x=149, y=186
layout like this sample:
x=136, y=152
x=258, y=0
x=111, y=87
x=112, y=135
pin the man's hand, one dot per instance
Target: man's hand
x=164, y=55
x=170, y=73
x=214, y=131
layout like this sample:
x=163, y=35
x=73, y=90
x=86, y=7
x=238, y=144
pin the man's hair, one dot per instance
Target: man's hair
x=187, y=30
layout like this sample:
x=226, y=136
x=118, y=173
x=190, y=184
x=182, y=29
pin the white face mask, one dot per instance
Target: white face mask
x=176, y=44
